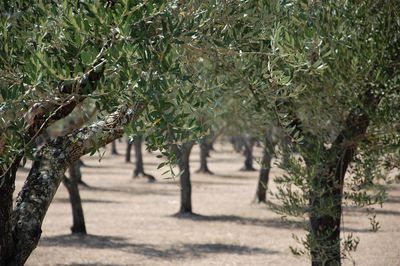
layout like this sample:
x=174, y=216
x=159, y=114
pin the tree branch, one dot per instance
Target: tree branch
x=48, y=171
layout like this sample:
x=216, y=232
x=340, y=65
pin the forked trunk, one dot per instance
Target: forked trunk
x=48, y=171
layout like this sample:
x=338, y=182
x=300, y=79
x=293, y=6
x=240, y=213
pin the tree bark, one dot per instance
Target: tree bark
x=183, y=154
x=114, y=148
x=6, y=205
x=248, y=153
x=204, y=153
x=71, y=184
x=139, y=166
x=47, y=173
x=263, y=178
x=128, y=151
x=237, y=143
x=327, y=187
x=79, y=180
x=325, y=228
x=39, y=116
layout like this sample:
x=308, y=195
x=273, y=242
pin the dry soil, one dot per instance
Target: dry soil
x=131, y=222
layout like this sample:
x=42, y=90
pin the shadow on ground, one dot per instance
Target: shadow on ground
x=67, y=201
x=135, y=190
x=363, y=211
x=178, y=251
x=276, y=223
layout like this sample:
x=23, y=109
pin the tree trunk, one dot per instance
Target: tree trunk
x=325, y=224
x=237, y=143
x=6, y=205
x=76, y=204
x=248, y=153
x=204, y=153
x=114, y=148
x=128, y=151
x=79, y=180
x=183, y=154
x=48, y=171
x=261, y=194
x=139, y=167
x=327, y=187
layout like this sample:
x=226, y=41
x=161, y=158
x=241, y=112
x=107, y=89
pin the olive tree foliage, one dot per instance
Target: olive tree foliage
x=123, y=55
x=338, y=64
x=328, y=73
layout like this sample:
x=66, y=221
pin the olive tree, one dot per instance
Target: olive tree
x=329, y=76
x=54, y=55
x=327, y=73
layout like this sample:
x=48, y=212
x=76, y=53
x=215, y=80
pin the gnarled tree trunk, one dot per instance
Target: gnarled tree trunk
x=46, y=174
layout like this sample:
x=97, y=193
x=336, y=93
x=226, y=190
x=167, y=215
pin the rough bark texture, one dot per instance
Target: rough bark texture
x=41, y=115
x=71, y=183
x=183, y=154
x=47, y=172
x=139, y=167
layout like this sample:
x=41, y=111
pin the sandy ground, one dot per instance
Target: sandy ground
x=131, y=222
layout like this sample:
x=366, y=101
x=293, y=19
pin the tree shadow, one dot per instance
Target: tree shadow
x=271, y=222
x=89, y=264
x=352, y=211
x=66, y=200
x=175, y=251
x=201, y=182
x=133, y=190
x=347, y=230
x=240, y=177
x=393, y=199
x=212, y=160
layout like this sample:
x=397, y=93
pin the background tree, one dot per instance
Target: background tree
x=139, y=165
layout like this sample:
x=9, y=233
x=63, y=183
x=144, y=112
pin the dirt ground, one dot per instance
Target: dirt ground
x=131, y=222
